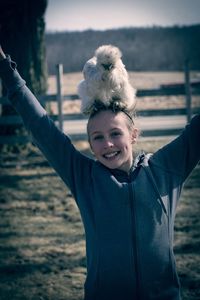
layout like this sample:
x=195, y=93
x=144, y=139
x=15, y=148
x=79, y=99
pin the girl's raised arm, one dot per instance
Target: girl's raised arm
x=55, y=145
x=182, y=154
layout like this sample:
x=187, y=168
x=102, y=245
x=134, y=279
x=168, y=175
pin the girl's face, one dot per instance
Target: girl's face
x=111, y=140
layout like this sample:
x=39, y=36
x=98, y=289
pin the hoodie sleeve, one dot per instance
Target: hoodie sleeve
x=54, y=144
x=182, y=154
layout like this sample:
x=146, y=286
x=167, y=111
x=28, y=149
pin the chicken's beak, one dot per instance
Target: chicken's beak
x=107, y=67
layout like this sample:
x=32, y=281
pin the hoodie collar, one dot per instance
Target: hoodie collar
x=122, y=175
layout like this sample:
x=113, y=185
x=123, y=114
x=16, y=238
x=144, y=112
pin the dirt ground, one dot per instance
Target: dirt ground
x=42, y=248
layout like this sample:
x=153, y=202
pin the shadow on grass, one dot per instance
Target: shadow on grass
x=55, y=265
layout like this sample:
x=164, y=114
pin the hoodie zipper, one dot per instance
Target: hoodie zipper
x=134, y=239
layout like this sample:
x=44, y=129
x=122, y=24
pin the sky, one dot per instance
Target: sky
x=72, y=15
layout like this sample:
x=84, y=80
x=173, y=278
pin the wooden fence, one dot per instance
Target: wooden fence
x=187, y=89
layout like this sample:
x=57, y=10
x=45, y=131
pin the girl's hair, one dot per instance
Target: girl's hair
x=113, y=106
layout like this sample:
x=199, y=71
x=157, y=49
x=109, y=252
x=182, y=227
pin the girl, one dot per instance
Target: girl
x=127, y=206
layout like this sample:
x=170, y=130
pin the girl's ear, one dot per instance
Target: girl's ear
x=134, y=136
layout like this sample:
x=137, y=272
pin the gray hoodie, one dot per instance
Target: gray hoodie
x=128, y=220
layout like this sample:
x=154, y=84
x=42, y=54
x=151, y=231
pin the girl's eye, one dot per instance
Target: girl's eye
x=115, y=133
x=98, y=137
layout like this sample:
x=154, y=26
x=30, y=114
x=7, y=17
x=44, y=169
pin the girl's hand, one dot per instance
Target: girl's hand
x=2, y=54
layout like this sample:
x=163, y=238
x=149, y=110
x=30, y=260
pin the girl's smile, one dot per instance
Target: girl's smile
x=111, y=155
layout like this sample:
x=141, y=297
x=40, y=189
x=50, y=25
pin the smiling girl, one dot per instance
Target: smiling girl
x=127, y=205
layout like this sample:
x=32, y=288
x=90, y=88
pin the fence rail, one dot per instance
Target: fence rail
x=187, y=89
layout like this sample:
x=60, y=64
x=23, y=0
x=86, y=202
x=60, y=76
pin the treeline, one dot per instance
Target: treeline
x=144, y=49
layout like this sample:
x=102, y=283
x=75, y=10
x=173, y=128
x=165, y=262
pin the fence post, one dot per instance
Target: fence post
x=59, y=76
x=188, y=91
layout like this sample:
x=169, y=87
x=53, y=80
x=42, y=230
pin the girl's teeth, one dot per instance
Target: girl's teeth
x=110, y=155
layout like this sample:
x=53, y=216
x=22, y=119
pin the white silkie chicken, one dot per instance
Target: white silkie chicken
x=106, y=80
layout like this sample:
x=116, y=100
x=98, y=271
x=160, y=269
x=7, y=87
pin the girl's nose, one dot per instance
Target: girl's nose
x=108, y=143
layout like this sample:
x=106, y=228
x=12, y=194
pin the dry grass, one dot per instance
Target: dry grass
x=140, y=80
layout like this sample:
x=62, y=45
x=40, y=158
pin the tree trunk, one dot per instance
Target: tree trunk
x=22, y=30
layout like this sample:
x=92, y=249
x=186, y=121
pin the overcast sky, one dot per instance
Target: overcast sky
x=106, y=14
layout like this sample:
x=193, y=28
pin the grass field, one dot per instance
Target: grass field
x=42, y=249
